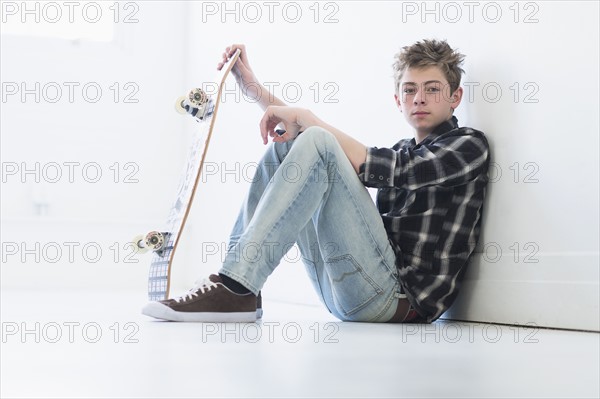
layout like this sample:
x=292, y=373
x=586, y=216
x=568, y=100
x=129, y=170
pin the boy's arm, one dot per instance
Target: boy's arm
x=297, y=120
x=276, y=111
x=247, y=79
x=450, y=160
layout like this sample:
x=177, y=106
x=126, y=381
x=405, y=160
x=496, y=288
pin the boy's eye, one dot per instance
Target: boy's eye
x=409, y=90
x=432, y=89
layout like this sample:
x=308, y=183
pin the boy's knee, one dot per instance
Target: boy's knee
x=317, y=137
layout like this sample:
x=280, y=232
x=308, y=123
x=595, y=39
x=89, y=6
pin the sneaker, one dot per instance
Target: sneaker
x=209, y=301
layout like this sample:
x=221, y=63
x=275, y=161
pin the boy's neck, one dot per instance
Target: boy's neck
x=420, y=136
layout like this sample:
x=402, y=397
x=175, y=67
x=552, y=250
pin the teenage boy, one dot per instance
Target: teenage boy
x=399, y=260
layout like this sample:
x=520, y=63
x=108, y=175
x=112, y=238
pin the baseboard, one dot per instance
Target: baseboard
x=562, y=291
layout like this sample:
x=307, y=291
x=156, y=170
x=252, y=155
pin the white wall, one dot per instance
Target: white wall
x=551, y=130
x=136, y=142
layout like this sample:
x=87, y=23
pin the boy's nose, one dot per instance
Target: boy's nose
x=419, y=97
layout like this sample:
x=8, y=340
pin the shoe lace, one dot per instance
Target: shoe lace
x=200, y=285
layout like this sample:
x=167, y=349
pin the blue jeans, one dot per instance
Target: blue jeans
x=306, y=191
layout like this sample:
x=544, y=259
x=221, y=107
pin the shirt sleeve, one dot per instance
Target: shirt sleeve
x=379, y=167
x=449, y=160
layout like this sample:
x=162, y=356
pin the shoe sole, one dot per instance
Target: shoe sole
x=163, y=312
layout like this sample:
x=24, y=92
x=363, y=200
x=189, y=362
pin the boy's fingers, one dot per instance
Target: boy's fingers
x=264, y=133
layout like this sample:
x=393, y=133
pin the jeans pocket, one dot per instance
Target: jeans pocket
x=352, y=288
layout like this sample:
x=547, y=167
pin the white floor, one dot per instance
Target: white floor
x=87, y=344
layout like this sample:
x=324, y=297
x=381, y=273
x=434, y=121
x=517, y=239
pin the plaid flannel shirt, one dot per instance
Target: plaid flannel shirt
x=430, y=196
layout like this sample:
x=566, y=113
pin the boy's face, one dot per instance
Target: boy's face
x=425, y=99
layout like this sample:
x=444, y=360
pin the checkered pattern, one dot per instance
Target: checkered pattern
x=430, y=198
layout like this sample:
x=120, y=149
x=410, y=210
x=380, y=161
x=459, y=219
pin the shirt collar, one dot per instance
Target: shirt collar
x=440, y=129
x=445, y=126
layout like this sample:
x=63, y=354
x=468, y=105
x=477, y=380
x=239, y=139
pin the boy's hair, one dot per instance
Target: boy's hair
x=429, y=53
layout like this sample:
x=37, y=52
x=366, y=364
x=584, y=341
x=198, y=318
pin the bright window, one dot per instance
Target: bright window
x=73, y=20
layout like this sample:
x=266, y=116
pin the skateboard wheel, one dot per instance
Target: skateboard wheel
x=180, y=105
x=196, y=103
x=154, y=240
x=197, y=97
x=139, y=244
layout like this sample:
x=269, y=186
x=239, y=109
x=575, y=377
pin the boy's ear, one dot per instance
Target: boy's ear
x=456, y=98
x=397, y=100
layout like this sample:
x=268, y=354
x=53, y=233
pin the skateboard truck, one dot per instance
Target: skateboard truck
x=153, y=241
x=196, y=103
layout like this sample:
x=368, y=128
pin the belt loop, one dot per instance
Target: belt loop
x=399, y=291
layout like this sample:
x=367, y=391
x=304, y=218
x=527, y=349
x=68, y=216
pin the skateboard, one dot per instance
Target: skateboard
x=163, y=243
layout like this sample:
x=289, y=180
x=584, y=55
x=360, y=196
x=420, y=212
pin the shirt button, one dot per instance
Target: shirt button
x=372, y=176
x=388, y=179
x=380, y=177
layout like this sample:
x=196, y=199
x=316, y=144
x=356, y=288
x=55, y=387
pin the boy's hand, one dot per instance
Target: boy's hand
x=241, y=70
x=294, y=121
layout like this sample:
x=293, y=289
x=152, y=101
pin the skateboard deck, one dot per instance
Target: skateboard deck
x=163, y=243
